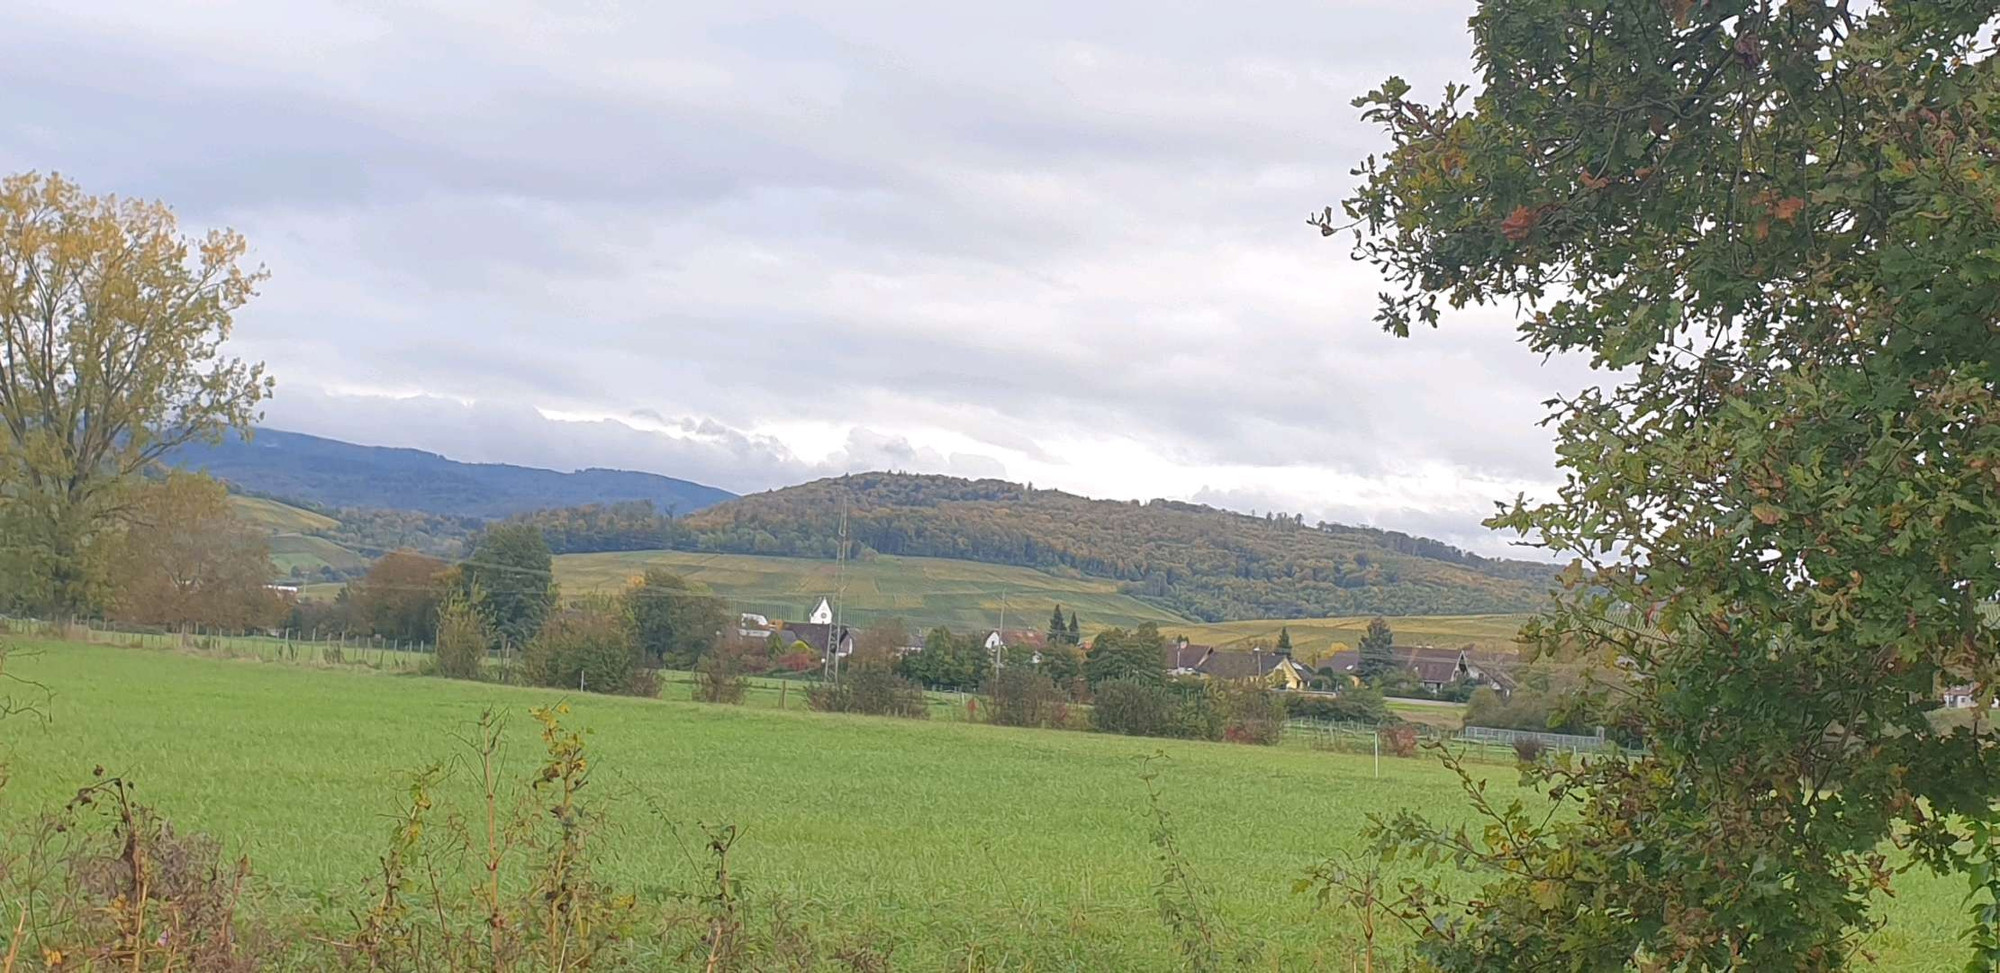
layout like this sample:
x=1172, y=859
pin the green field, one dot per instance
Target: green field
x=924, y=591
x=279, y=517
x=1491, y=632
x=311, y=553
x=957, y=844
x=291, y=532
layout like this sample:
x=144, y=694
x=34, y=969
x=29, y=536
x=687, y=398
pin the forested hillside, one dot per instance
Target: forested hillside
x=1197, y=560
x=332, y=474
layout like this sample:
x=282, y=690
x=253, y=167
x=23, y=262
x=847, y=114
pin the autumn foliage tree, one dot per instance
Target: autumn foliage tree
x=186, y=559
x=1781, y=223
x=111, y=332
x=399, y=596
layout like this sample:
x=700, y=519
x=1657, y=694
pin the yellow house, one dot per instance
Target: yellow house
x=1288, y=674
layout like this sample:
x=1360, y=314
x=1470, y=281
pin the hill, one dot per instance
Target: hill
x=923, y=591
x=1194, y=560
x=335, y=474
x=300, y=547
x=279, y=517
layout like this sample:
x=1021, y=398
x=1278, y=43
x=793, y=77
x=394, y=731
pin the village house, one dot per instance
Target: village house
x=1964, y=697
x=1184, y=658
x=1431, y=668
x=751, y=625
x=1020, y=638
x=819, y=634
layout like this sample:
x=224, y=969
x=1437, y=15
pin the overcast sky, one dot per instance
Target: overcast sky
x=752, y=243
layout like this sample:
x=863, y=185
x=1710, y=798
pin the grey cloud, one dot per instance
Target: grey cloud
x=1020, y=223
x=697, y=448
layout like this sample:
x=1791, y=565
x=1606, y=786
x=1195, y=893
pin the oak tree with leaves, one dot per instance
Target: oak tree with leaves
x=186, y=559
x=1781, y=223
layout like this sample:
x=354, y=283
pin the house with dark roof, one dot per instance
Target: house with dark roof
x=1183, y=658
x=818, y=637
x=1433, y=668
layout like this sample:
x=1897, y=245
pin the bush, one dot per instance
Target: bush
x=462, y=640
x=645, y=683
x=1198, y=714
x=718, y=678
x=871, y=689
x=1024, y=696
x=799, y=657
x=1400, y=739
x=1529, y=749
x=1361, y=705
x=586, y=646
x=1250, y=714
x=1134, y=707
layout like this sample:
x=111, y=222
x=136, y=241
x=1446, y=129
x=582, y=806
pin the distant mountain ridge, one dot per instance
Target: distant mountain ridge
x=1200, y=561
x=331, y=473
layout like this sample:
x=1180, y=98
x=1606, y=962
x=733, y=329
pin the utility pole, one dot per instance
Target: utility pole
x=833, y=637
x=1000, y=634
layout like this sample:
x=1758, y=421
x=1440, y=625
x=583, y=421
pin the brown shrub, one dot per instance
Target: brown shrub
x=111, y=884
x=1400, y=739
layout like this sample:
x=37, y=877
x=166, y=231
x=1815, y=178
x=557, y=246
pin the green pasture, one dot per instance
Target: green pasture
x=279, y=517
x=953, y=843
x=1309, y=635
x=923, y=590
x=311, y=553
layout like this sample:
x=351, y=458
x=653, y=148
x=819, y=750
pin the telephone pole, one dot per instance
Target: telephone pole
x=1000, y=634
x=833, y=637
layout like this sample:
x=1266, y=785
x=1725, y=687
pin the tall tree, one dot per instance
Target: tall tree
x=187, y=559
x=111, y=333
x=513, y=575
x=1064, y=665
x=1780, y=221
x=1378, y=651
x=398, y=598
x=1119, y=654
x=673, y=623
x=948, y=661
x=1285, y=642
x=1057, y=631
x=1073, y=636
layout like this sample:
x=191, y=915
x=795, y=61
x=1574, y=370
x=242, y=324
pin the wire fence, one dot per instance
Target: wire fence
x=1478, y=742
x=395, y=655
x=1554, y=741
x=286, y=646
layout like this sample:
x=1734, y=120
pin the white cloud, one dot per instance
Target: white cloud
x=753, y=242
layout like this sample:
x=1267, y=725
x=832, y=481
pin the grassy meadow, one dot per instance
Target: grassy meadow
x=279, y=517
x=956, y=844
x=311, y=553
x=924, y=590
x=291, y=535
